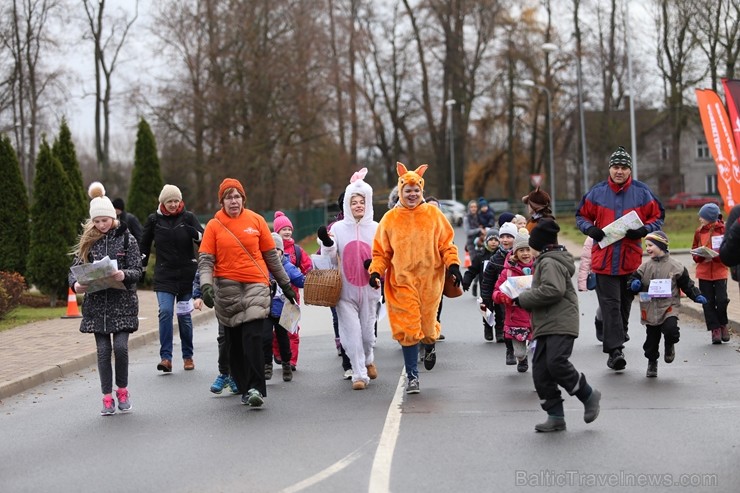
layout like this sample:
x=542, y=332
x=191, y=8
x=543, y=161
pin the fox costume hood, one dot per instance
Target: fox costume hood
x=413, y=248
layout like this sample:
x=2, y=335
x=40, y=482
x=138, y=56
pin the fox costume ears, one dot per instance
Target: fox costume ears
x=406, y=177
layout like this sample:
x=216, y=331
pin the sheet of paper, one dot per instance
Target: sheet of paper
x=290, y=316
x=717, y=242
x=703, y=251
x=97, y=276
x=660, y=288
x=514, y=286
x=184, y=307
x=616, y=230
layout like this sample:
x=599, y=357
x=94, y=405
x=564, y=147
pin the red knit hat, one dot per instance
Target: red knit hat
x=281, y=221
x=230, y=183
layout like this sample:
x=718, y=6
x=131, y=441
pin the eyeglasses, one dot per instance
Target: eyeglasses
x=233, y=197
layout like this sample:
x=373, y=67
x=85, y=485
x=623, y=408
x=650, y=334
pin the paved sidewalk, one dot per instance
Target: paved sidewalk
x=40, y=352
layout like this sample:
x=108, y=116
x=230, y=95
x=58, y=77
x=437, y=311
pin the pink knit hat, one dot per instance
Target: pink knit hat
x=281, y=221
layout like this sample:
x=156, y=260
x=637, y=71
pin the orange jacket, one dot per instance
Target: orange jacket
x=231, y=261
x=715, y=269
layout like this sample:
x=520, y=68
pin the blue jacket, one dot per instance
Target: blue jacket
x=297, y=278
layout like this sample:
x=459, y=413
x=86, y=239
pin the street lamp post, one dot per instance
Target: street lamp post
x=529, y=83
x=450, y=103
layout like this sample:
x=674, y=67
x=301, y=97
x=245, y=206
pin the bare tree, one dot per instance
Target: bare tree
x=107, y=45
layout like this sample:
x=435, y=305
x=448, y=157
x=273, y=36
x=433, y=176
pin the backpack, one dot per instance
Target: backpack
x=298, y=255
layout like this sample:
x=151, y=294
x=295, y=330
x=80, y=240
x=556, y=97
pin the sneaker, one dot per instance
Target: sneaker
x=591, y=407
x=253, y=398
x=165, y=365
x=347, y=374
x=523, y=365
x=510, y=358
x=268, y=371
x=670, y=353
x=358, y=385
x=287, y=372
x=716, y=336
x=488, y=332
x=109, y=406
x=218, y=385
x=652, y=369
x=553, y=423
x=725, y=332
x=441, y=337
x=188, y=364
x=412, y=386
x=616, y=360
x=430, y=359
x=372, y=371
x=232, y=384
x=124, y=404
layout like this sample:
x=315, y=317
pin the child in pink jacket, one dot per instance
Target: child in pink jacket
x=517, y=324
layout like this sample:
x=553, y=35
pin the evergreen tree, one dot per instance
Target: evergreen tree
x=146, y=178
x=53, y=229
x=64, y=150
x=14, y=227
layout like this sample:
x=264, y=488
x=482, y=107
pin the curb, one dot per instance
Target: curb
x=46, y=374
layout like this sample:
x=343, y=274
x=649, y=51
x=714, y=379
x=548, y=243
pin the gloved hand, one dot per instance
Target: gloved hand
x=635, y=285
x=634, y=234
x=596, y=233
x=454, y=270
x=207, y=294
x=515, y=301
x=367, y=263
x=323, y=235
x=288, y=292
x=466, y=286
x=701, y=299
x=375, y=280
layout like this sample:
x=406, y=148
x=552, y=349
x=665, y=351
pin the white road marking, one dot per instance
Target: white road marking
x=325, y=473
x=380, y=474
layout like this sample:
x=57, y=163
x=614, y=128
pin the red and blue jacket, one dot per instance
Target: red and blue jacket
x=605, y=203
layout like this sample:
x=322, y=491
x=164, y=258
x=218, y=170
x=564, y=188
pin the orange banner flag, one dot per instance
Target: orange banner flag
x=721, y=144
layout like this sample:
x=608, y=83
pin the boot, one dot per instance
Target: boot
x=725, y=332
x=652, y=369
x=510, y=358
x=487, y=332
x=716, y=336
x=287, y=372
x=553, y=423
x=268, y=371
x=591, y=406
x=670, y=353
x=499, y=334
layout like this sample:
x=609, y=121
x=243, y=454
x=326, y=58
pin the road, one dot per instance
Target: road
x=470, y=428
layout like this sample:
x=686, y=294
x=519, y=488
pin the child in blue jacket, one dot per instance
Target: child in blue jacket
x=297, y=278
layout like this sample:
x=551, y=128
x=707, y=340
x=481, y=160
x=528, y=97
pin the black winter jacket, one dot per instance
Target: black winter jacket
x=492, y=271
x=113, y=310
x=729, y=251
x=175, y=239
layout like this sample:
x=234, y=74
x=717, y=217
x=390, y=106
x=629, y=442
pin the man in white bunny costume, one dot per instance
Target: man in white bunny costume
x=352, y=239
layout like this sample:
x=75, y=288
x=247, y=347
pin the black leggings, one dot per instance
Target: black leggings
x=105, y=370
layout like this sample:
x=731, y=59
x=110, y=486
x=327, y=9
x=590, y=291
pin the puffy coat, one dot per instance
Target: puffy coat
x=729, y=251
x=297, y=279
x=113, y=310
x=516, y=316
x=175, y=238
x=553, y=301
x=605, y=203
x=714, y=269
x=584, y=267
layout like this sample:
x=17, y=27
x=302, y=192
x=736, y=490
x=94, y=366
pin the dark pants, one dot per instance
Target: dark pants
x=119, y=348
x=671, y=333
x=715, y=309
x=346, y=365
x=615, y=301
x=223, y=352
x=283, y=341
x=552, y=368
x=246, y=356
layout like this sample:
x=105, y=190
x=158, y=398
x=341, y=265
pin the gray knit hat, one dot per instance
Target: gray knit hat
x=278, y=242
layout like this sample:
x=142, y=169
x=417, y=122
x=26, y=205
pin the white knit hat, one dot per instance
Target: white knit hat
x=169, y=192
x=100, y=205
x=508, y=229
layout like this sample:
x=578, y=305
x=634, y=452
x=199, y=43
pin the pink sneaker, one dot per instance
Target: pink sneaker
x=109, y=406
x=124, y=404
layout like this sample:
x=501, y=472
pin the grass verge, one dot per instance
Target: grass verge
x=26, y=315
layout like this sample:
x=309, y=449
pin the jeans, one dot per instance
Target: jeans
x=184, y=324
x=119, y=348
x=410, y=359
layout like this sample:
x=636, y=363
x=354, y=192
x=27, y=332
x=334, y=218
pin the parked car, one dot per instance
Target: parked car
x=685, y=200
x=454, y=210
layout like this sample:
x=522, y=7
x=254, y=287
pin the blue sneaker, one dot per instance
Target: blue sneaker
x=218, y=385
x=232, y=384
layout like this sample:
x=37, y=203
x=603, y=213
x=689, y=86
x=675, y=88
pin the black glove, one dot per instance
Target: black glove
x=634, y=234
x=206, y=291
x=466, y=286
x=288, y=292
x=367, y=263
x=515, y=301
x=454, y=270
x=375, y=280
x=596, y=233
x=323, y=235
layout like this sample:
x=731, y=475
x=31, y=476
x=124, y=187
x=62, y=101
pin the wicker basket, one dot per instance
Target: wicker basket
x=322, y=287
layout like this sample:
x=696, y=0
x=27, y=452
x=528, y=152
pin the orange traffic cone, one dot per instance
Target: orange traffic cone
x=72, y=310
x=466, y=262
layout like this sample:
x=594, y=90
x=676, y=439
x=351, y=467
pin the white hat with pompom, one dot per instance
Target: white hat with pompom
x=100, y=205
